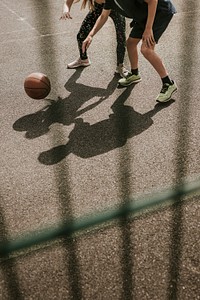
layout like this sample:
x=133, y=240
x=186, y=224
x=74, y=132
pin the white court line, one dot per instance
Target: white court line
x=19, y=17
x=14, y=31
x=35, y=37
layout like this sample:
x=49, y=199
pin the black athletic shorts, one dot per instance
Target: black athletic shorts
x=160, y=24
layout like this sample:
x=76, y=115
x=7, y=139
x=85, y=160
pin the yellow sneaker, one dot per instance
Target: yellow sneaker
x=129, y=79
x=166, y=92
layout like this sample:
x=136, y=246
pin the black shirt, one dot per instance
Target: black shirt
x=138, y=9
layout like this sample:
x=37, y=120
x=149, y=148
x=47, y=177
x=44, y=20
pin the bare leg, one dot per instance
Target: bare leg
x=154, y=59
x=133, y=52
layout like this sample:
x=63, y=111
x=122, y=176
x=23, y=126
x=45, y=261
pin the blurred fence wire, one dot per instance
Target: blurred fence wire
x=68, y=228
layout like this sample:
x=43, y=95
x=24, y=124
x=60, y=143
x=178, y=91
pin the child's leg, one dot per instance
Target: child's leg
x=133, y=52
x=160, y=25
x=168, y=85
x=120, y=27
x=150, y=54
x=134, y=76
x=86, y=27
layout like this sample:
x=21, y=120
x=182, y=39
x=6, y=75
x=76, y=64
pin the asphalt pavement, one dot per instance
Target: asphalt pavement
x=91, y=146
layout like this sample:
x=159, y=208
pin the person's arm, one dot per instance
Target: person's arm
x=148, y=33
x=66, y=9
x=98, y=25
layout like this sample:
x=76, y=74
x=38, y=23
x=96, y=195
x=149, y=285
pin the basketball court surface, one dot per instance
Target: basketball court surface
x=70, y=156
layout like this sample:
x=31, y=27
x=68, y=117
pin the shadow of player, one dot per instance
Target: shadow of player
x=87, y=140
x=65, y=110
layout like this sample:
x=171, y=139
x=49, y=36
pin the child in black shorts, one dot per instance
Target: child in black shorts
x=150, y=19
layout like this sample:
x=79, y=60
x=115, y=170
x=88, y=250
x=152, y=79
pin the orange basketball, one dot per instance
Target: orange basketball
x=37, y=85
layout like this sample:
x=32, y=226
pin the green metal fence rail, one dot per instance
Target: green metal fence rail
x=132, y=207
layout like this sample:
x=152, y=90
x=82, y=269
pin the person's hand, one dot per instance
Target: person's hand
x=65, y=15
x=86, y=43
x=148, y=38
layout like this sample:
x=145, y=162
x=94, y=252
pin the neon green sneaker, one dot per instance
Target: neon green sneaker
x=129, y=79
x=166, y=92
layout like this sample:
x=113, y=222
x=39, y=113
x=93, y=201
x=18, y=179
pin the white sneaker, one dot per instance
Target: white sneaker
x=121, y=70
x=79, y=63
